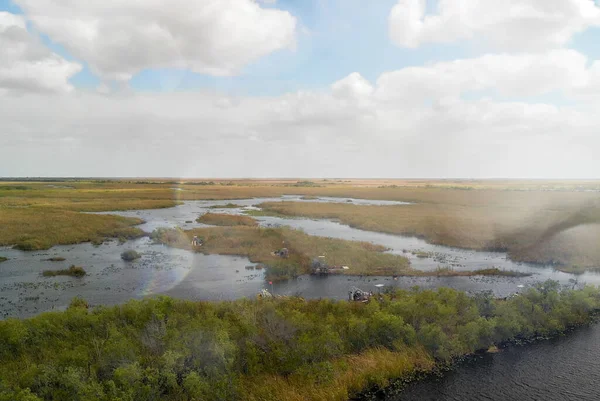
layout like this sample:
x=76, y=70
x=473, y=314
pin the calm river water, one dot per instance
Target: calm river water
x=563, y=369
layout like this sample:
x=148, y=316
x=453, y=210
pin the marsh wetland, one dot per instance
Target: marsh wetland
x=420, y=259
x=389, y=237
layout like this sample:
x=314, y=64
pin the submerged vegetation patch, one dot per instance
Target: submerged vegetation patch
x=227, y=206
x=267, y=350
x=448, y=271
x=130, y=255
x=73, y=271
x=56, y=259
x=3, y=259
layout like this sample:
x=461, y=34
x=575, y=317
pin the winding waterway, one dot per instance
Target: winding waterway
x=163, y=270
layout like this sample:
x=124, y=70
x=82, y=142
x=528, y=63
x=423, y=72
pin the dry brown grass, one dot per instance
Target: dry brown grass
x=527, y=225
x=574, y=250
x=30, y=229
x=444, y=224
x=216, y=219
x=351, y=375
x=523, y=217
x=35, y=216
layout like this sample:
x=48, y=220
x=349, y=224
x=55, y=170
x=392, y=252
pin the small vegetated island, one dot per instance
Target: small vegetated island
x=74, y=271
x=130, y=255
x=227, y=206
x=261, y=245
x=240, y=235
x=270, y=349
x=56, y=259
x=217, y=219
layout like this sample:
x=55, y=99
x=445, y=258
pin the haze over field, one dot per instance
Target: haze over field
x=223, y=88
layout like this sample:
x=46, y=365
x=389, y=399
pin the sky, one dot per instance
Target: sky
x=300, y=88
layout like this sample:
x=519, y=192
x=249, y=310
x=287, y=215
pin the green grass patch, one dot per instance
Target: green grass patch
x=73, y=271
x=3, y=259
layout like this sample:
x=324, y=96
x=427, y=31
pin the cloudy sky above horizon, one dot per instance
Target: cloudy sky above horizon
x=300, y=88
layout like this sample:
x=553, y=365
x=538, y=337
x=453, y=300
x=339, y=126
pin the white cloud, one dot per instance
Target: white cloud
x=119, y=38
x=414, y=122
x=354, y=85
x=26, y=64
x=513, y=75
x=350, y=130
x=506, y=24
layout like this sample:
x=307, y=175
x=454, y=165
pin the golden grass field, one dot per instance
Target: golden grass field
x=559, y=228
x=536, y=221
x=35, y=229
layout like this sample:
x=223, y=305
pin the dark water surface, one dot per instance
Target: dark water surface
x=563, y=369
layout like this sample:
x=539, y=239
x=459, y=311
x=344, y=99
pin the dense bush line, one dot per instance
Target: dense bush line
x=282, y=349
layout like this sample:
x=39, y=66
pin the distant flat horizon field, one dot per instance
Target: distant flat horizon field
x=320, y=180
